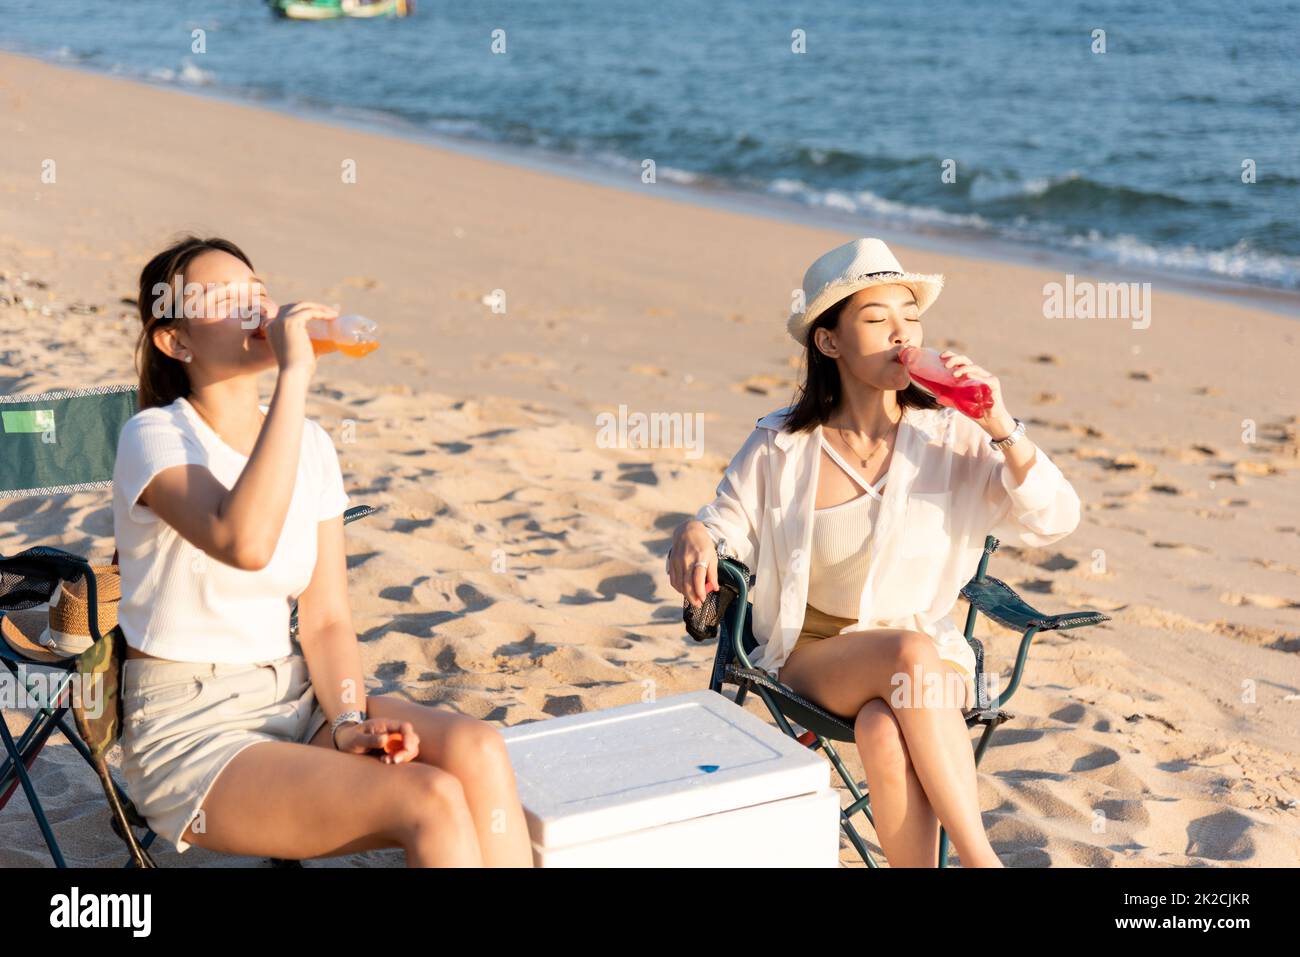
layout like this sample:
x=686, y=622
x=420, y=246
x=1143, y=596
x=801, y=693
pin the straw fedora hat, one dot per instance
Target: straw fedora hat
x=60, y=629
x=845, y=270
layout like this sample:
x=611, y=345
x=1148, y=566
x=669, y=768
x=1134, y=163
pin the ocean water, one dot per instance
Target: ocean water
x=1133, y=156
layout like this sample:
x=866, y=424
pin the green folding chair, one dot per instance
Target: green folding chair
x=732, y=665
x=53, y=444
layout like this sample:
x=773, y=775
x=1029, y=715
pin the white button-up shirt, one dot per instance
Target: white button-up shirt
x=947, y=488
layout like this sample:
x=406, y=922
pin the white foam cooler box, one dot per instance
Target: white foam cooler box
x=691, y=780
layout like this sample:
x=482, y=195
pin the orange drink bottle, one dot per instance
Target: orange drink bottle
x=351, y=335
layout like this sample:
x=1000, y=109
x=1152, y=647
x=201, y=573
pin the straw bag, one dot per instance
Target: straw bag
x=61, y=628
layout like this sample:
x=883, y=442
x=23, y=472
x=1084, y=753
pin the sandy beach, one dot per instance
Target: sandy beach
x=515, y=570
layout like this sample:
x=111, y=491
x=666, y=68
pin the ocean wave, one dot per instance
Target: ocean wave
x=865, y=202
x=988, y=189
x=1073, y=191
x=1240, y=262
x=188, y=73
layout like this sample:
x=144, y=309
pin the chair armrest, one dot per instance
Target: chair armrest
x=734, y=573
x=356, y=512
x=999, y=601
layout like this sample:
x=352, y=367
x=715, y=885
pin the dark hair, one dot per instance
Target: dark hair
x=163, y=379
x=821, y=390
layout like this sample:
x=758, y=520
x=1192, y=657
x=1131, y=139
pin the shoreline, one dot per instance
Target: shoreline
x=707, y=192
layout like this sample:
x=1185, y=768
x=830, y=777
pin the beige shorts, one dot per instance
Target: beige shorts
x=183, y=722
x=819, y=625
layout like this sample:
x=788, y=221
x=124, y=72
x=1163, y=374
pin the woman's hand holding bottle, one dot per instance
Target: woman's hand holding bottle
x=287, y=334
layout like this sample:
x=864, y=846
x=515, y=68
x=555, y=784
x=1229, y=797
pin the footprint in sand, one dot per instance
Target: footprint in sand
x=764, y=383
x=1273, y=566
x=1224, y=836
x=1246, y=467
x=557, y=706
x=1041, y=586
x=526, y=647
x=1181, y=547
x=1042, y=558
x=1213, y=514
x=647, y=370
x=642, y=473
x=1072, y=713
x=1254, y=635
x=1166, y=489
x=1257, y=600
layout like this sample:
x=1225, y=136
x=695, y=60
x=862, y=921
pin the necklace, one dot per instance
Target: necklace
x=865, y=461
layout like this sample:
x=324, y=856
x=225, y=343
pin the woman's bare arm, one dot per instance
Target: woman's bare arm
x=325, y=632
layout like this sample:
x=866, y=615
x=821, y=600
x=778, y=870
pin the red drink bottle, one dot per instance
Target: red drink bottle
x=967, y=396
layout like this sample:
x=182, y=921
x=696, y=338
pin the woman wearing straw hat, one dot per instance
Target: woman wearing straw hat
x=863, y=508
x=223, y=511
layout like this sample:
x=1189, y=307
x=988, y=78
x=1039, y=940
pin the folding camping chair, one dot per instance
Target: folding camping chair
x=731, y=665
x=53, y=444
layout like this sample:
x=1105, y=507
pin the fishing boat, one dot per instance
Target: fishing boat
x=333, y=9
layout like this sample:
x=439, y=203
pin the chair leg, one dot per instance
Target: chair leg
x=856, y=840
x=20, y=766
x=34, y=740
x=29, y=745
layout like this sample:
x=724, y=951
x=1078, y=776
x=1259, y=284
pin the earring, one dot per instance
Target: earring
x=189, y=359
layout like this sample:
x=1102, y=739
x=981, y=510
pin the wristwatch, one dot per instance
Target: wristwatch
x=1011, y=439
x=347, y=717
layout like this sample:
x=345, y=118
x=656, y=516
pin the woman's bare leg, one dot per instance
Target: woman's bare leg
x=287, y=800
x=475, y=754
x=843, y=672
x=905, y=822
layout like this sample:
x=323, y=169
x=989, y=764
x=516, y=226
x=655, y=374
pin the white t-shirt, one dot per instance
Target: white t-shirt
x=180, y=603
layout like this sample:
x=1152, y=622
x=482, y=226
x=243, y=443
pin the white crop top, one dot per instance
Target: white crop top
x=841, y=546
x=179, y=603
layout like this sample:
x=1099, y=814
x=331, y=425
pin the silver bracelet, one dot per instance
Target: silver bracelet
x=1011, y=439
x=720, y=545
x=347, y=717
